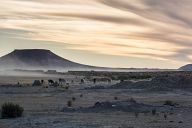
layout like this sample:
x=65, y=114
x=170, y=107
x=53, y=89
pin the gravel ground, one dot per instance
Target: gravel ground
x=43, y=107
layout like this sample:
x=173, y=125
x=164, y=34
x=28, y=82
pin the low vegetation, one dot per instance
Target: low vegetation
x=136, y=114
x=73, y=98
x=132, y=100
x=134, y=77
x=115, y=98
x=154, y=111
x=170, y=103
x=69, y=103
x=67, y=87
x=10, y=110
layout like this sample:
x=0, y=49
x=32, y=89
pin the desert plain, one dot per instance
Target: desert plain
x=103, y=104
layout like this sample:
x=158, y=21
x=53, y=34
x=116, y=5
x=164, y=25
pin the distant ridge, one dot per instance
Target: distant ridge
x=187, y=67
x=36, y=59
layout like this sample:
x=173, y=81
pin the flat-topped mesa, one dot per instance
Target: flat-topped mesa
x=32, y=53
x=31, y=50
x=36, y=58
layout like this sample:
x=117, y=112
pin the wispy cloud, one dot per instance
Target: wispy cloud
x=159, y=29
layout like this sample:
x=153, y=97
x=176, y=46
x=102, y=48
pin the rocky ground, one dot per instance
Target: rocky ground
x=94, y=108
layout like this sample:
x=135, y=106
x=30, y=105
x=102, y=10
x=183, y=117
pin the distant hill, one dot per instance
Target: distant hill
x=187, y=67
x=41, y=59
x=36, y=59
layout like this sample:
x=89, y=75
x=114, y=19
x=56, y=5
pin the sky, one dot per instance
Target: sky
x=110, y=33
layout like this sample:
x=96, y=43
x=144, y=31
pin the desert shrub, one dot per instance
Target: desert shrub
x=67, y=87
x=132, y=100
x=140, y=77
x=122, y=81
x=82, y=81
x=180, y=122
x=169, y=103
x=73, y=98
x=115, y=98
x=42, y=81
x=97, y=104
x=113, y=77
x=122, y=77
x=136, y=77
x=154, y=111
x=136, y=114
x=10, y=110
x=69, y=103
x=81, y=95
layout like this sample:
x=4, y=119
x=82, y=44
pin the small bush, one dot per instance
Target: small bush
x=69, y=103
x=73, y=98
x=115, y=98
x=136, y=114
x=180, y=122
x=122, y=78
x=132, y=100
x=169, y=103
x=165, y=116
x=154, y=111
x=67, y=87
x=122, y=81
x=81, y=95
x=10, y=110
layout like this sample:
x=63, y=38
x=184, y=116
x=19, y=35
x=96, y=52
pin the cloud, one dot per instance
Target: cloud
x=159, y=29
x=98, y=17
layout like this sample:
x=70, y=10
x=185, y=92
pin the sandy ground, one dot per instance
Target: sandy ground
x=43, y=106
